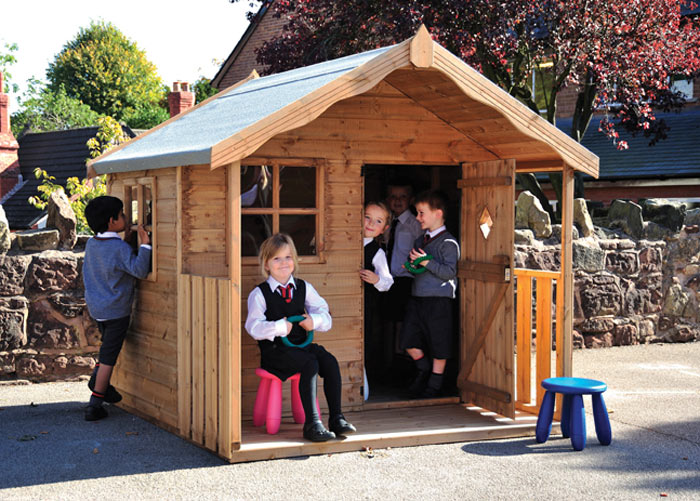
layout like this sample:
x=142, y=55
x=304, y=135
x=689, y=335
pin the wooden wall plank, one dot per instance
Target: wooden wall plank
x=198, y=385
x=544, y=333
x=211, y=362
x=184, y=356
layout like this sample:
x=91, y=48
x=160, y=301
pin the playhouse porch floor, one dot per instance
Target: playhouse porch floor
x=380, y=428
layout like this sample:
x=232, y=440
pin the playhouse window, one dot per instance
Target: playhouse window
x=281, y=197
x=139, y=208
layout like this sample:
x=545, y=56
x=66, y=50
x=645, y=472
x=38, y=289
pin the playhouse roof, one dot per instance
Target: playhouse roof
x=235, y=122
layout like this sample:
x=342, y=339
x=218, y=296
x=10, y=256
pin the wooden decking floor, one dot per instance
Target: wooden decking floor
x=387, y=427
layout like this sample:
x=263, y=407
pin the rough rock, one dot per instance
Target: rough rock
x=626, y=216
x=61, y=216
x=663, y=212
x=13, y=270
x=582, y=217
x=598, y=295
x=597, y=325
x=598, y=340
x=587, y=255
x=13, y=322
x=544, y=260
x=655, y=231
x=555, y=239
x=54, y=367
x=5, y=241
x=52, y=272
x=676, y=300
x=47, y=329
x=683, y=333
x=7, y=364
x=530, y=214
x=38, y=240
x=625, y=335
x=622, y=263
x=692, y=217
x=524, y=237
x=650, y=260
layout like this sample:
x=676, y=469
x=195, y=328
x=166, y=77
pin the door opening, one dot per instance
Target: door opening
x=389, y=370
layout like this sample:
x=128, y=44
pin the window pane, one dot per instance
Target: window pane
x=256, y=186
x=298, y=187
x=148, y=205
x=302, y=229
x=254, y=230
x=134, y=205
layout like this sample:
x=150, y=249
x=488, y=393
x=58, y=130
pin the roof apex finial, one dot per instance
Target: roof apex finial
x=422, y=48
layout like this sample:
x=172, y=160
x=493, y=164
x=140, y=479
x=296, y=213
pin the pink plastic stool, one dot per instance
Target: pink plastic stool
x=268, y=402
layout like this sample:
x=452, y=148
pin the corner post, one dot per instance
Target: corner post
x=567, y=285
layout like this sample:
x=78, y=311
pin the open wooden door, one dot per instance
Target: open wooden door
x=486, y=309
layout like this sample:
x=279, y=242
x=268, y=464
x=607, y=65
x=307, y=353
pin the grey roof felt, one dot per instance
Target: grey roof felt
x=674, y=157
x=188, y=140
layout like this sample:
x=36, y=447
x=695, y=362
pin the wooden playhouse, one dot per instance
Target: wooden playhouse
x=290, y=152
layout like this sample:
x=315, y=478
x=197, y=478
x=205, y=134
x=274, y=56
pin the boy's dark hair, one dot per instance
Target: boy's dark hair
x=436, y=200
x=100, y=210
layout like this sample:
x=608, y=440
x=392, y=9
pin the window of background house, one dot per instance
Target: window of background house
x=280, y=197
x=139, y=208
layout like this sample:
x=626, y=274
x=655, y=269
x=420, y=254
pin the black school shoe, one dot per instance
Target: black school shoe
x=112, y=396
x=316, y=432
x=340, y=426
x=93, y=413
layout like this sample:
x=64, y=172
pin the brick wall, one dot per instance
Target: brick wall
x=268, y=27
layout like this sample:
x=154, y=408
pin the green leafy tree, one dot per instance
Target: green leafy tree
x=43, y=110
x=81, y=191
x=203, y=89
x=109, y=73
x=7, y=59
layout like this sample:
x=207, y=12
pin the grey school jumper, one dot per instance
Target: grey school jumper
x=110, y=270
x=441, y=278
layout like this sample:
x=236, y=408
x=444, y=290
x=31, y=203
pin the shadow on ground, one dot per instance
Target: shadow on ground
x=52, y=442
x=661, y=458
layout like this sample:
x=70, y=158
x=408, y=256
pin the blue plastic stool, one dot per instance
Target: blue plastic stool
x=573, y=417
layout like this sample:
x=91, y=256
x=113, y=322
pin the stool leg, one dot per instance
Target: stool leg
x=274, y=407
x=260, y=409
x=578, y=423
x=297, y=408
x=566, y=416
x=544, y=419
x=602, y=421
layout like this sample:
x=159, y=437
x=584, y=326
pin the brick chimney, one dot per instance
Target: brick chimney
x=9, y=164
x=180, y=98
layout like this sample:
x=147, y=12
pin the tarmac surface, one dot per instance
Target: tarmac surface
x=49, y=452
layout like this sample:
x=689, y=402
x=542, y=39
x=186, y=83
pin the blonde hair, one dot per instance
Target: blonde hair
x=272, y=246
x=387, y=214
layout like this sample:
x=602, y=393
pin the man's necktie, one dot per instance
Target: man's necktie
x=392, y=236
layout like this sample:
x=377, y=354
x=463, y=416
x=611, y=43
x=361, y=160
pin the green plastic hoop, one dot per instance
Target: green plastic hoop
x=309, y=334
x=417, y=270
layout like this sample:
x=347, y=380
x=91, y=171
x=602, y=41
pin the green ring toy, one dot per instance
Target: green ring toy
x=309, y=334
x=417, y=270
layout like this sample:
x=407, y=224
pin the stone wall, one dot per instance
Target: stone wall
x=627, y=290
x=46, y=333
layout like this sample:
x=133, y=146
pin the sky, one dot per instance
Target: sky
x=183, y=39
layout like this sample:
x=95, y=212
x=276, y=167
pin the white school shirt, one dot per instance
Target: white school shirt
x=260, y=328
x=407, y=230
x=381, y=268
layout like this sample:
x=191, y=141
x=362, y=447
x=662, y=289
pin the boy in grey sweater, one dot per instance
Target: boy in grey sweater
x=110, y=270
x=427, y=328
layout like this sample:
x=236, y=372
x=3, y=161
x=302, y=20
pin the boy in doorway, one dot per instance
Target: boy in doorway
x=427, y=334
x=403, y=232
x=110, y=270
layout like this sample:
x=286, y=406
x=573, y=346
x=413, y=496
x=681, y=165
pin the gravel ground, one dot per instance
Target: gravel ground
x=49, y=452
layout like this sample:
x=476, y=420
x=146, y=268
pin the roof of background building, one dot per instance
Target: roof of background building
x=61, y=153
x=676, y=156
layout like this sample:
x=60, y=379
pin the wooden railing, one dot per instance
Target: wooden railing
x=542, y=311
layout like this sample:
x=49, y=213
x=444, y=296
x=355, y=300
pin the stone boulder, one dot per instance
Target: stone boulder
x=13, y=269
x=53, y=271
x=530, y=214
x=587, y=255
x=597, y=295
x=53, y=367
x=692, y=217
x=655, y=231
x=524, y=237
x=582, y=218
x=5, y=240
x=38, y=240
x=555, y=239
x=62, y=217
x=13, y=322
x=664, y=212
x=676, y=300
x=627, y=216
